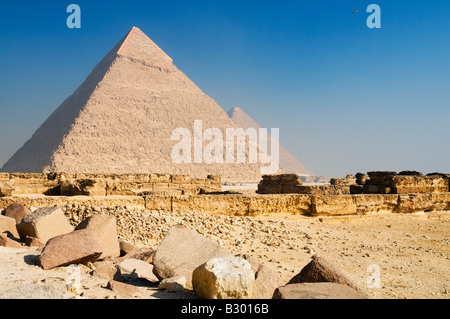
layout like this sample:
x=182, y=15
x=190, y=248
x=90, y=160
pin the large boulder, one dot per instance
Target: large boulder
x=321, y=290
x=226, y=277
x=8, y=226
x=106, y=229
x=44, y=223
x=322, y=270
x=17, y=211
x=182, y=251
x=78, y=247
x=266, y=279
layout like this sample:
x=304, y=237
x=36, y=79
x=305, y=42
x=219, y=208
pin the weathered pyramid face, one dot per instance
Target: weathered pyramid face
x=122, y=119
x=288, y=162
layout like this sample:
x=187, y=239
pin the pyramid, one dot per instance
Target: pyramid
x=120, y=120
x=288, y=162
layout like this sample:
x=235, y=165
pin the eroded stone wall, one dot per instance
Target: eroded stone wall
x=61, y=184
x=248, y=205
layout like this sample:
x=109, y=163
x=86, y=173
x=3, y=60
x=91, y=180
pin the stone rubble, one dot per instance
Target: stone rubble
x=181, y=239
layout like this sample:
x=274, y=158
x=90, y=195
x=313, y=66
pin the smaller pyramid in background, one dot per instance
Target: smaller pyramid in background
x=288, y=162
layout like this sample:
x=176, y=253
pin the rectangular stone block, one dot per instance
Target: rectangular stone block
x=280, y=204
x=376, y=189
x=160, y=178
x=270, y=188
x=412, y=203
x=333, y=205
x=375, y=203
x=181, y=179
x=419, y=184
x=161, y=186
x=44, y=224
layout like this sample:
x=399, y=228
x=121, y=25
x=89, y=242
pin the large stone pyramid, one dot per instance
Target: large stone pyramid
x=120, y=120
x=288, y=162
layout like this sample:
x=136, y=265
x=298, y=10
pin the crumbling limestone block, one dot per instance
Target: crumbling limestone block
x=182, y=251
x=228, y=277
x=44, y=223
x=106, y=230
x=333, y=205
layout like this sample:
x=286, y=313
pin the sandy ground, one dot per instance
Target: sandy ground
x=411, y=251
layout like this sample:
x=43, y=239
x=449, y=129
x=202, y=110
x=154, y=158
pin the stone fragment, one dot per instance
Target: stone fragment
x=322, y=290
x=226, y=277
x=174, y=284
x=322, y=270
x=141, y=253
x=139, y=268
x=106, y=229
x=125, y=247
x=123, y=289
x=106, y=271
x=32, y=242
x=8, y=226
x=17, y=211
x=183, y=250
x=5, y=241
x=78, y=247
x=266, y=279
x=44, y=223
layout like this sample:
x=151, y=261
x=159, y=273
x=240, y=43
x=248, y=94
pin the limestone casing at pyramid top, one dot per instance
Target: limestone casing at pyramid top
x=137, y=46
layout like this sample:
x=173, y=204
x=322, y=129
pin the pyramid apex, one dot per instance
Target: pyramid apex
x=138, y=46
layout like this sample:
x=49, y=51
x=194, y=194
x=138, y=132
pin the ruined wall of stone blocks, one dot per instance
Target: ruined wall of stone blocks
x=349, y=180
x=292, y=184
x=248, y=205
x=84, y=184
x=279, y=184
x=407, y=182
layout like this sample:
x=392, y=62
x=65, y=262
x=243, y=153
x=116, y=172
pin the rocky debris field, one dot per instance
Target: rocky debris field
x=382, y=256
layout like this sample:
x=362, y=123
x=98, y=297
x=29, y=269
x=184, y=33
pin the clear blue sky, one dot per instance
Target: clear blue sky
x=345, y=97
